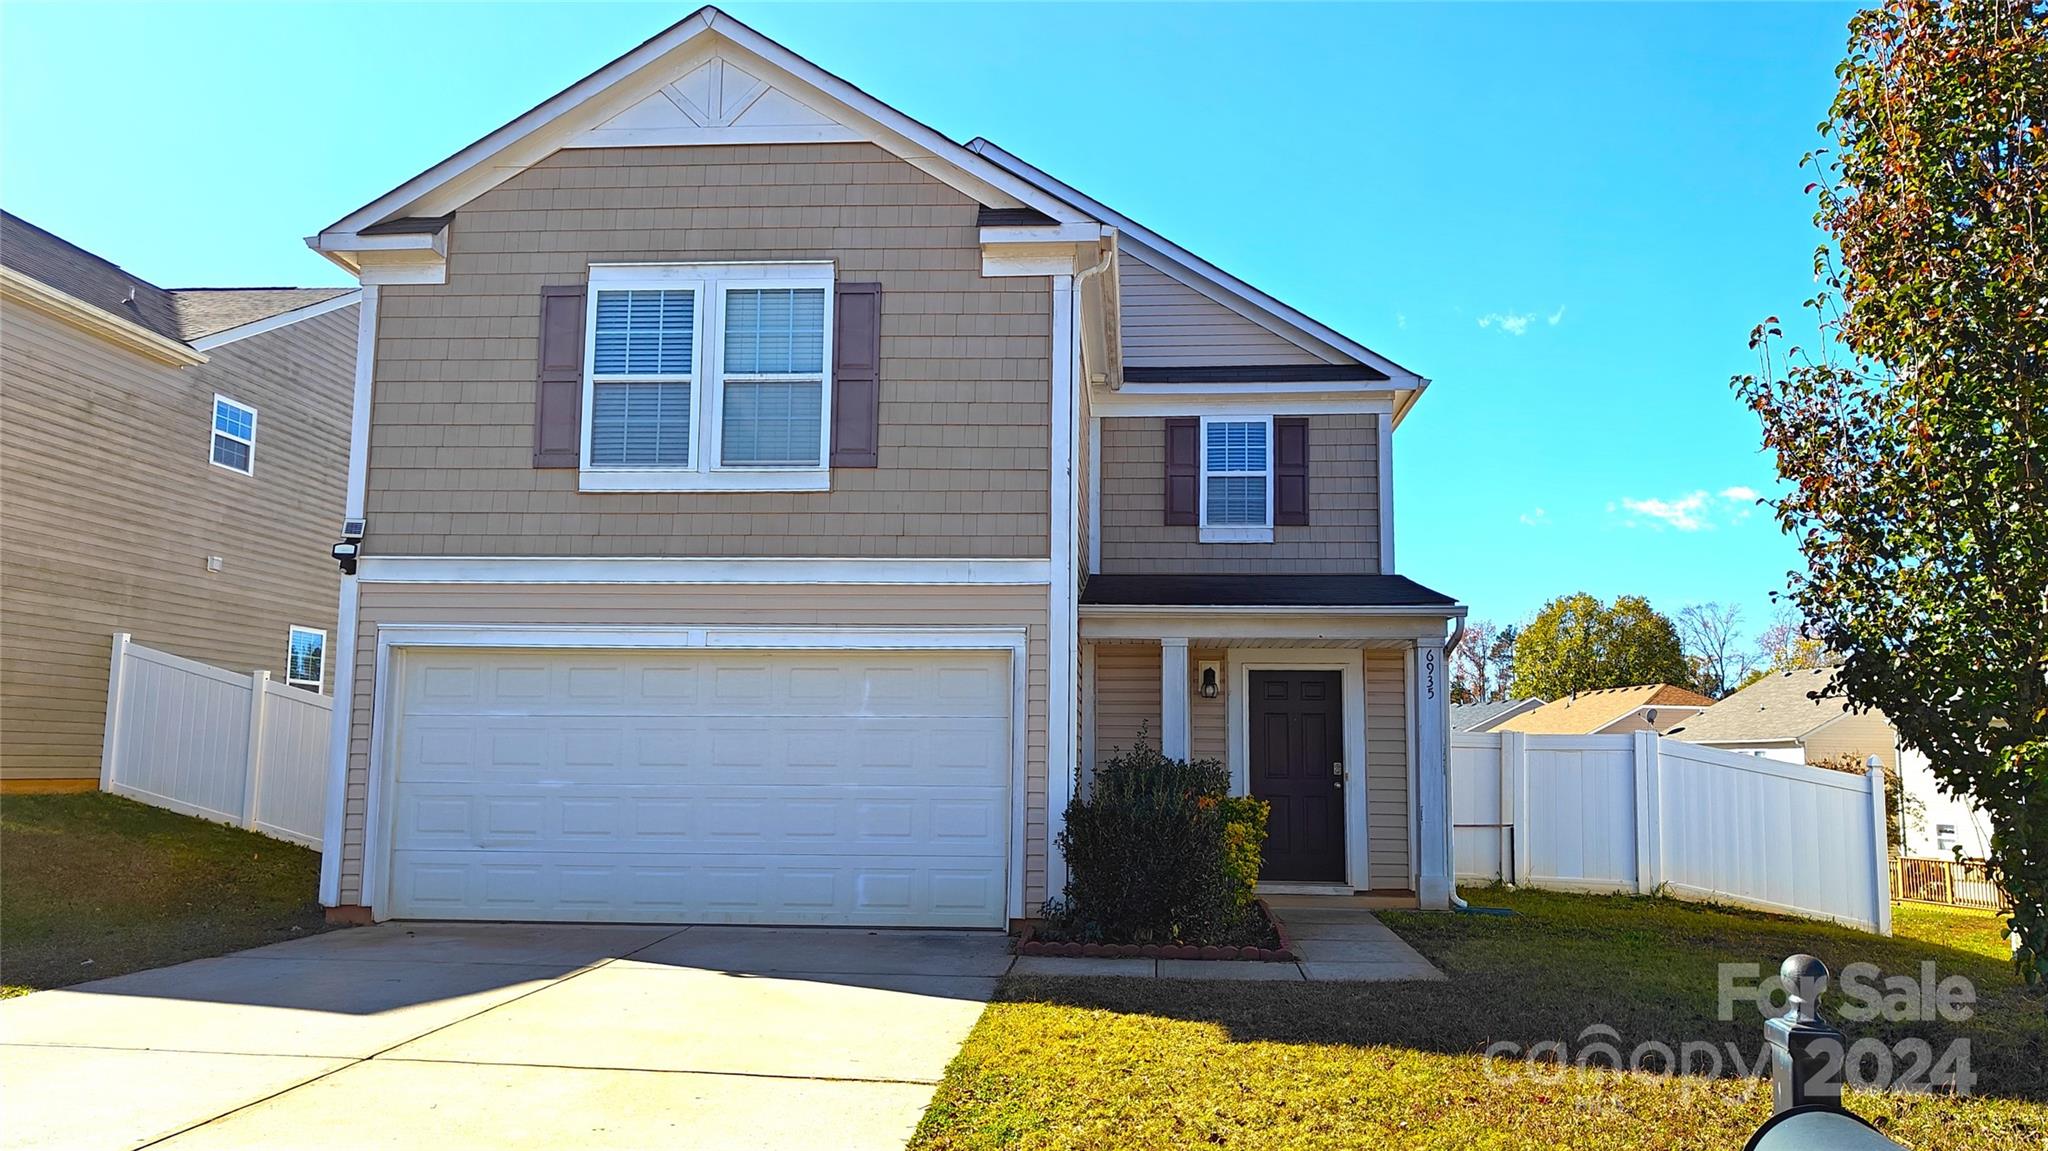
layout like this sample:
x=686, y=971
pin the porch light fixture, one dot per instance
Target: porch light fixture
x=1208, y=678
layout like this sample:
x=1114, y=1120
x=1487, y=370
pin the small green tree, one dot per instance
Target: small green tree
x=1912, y=439
x=1578, y=643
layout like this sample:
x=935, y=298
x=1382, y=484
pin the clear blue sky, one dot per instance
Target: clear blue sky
x=1567, y=216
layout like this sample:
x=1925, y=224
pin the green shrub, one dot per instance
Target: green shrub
x=1244, y=836
x=1158, y=851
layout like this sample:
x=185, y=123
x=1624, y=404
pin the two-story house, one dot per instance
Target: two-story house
x=762, y=506
x=171, y=463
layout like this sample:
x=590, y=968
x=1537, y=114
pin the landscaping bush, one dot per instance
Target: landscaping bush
x=1160, y=852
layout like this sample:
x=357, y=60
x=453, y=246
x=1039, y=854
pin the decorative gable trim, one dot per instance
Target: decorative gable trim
x=774, y=92
x=718, y=102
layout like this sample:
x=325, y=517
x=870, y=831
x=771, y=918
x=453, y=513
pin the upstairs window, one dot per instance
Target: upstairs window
x=234, y=436
x=708, y=377
x=643, y=378
x=1237, y=480
x=773, y=400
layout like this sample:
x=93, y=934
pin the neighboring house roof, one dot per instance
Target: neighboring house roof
x=210, y=311
x=1586, y=712
x=1486, y=716
x=64, y=266
x=1777, y=708
x=183, y=315
x=1283, y=591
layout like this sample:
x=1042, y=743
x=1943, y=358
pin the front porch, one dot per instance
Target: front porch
x=1324, y=695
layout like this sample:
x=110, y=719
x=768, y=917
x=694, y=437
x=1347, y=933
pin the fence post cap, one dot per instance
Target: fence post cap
x=1805, y=978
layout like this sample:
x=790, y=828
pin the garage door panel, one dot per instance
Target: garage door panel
x=880, y=890
x=941, y=821
x=740, y=684
x=703, y=786
x=691, y=751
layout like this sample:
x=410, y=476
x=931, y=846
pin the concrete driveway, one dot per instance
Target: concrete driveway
x=457, y=1036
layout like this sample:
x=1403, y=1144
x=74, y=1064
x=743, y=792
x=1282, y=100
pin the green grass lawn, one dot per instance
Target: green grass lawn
x=1160, y=1064
x=93, y=885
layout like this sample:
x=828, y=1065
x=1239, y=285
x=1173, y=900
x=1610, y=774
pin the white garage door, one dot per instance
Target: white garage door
x=702, y=786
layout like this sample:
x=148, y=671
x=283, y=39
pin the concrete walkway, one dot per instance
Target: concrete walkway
x=1336, y=943
x=452, y=1036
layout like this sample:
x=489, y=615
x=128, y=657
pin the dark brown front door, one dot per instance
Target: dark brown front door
x=1297, y=750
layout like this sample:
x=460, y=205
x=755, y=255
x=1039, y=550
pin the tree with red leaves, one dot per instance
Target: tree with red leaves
x=1912, y=439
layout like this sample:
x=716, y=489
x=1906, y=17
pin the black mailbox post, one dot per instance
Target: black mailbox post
x=1808, y=1055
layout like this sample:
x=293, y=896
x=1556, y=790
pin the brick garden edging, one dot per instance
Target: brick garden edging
x=1284, y=953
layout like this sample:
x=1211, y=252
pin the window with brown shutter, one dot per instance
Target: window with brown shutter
x=857, y=376
x=1183, y=471
x=1290, y=470
x=558, y=394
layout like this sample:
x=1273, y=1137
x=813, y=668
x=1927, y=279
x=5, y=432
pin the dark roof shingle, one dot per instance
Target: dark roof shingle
x=70, y=269
x=204, y=311
x=1281, y=591
x=182, y=314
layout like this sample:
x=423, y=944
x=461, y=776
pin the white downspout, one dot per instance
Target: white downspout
x=1450, y=738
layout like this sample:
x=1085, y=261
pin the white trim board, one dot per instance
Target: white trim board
x=1242, y=661
x=280, y=320
x=341, y=654
x=658, y=570
x=393, y=638
x=1141, y=400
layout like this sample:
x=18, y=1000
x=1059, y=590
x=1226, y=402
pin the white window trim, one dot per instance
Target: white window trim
x=707, y=472
x=291, y=641
x=213, y=431
x=1234, y=533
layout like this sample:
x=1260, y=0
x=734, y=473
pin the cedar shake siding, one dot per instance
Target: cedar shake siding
x=1168, y=324
x=821, y=605
x=1341, y=536
x=109, y=508
x=963, y=466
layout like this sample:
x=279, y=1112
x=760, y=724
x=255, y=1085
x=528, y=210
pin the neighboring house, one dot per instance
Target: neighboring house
x=1788, y=716
x=171, y=465
x=1611, y=711
x=1483, y=717
x=768, y=503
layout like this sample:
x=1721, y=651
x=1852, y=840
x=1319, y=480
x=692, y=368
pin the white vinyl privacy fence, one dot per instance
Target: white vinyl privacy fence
x=217, y=744
x=1641, y=813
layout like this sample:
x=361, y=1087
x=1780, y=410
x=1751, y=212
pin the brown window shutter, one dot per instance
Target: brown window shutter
x=1290, y=470
x=1183, y=471
x=558, y=398
x=857, y=376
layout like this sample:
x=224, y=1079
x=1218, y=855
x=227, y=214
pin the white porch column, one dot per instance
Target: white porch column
x=1173, y=698
x=1432, y=775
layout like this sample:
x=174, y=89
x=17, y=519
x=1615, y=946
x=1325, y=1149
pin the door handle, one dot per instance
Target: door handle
x=1337, y=773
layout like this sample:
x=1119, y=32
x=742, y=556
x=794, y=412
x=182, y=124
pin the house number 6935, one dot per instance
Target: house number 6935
x=1429, y=673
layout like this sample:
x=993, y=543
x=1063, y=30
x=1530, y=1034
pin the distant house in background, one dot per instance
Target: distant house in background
x=172, y=465
x=1783, y=717
x=1610, y=711
x=1477, y=717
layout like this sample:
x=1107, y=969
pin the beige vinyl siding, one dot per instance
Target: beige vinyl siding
x=966, y=371
x=1208, y=719
x=109, y=508
x=1342, y=534
x=1126, y=696
x=765, y=605
x=1861, y=735
x=1386, y=770
x=1168, y=324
